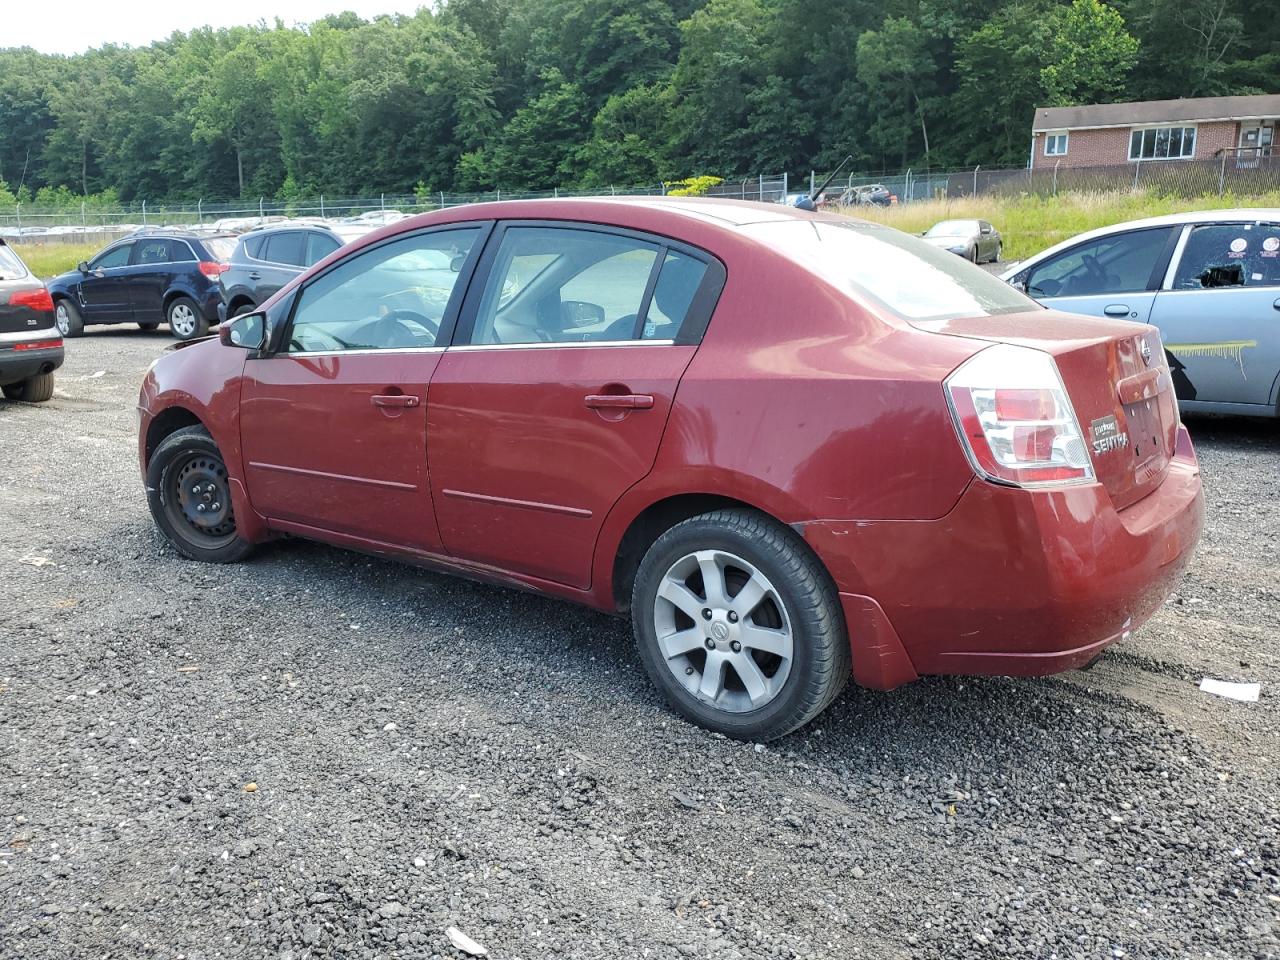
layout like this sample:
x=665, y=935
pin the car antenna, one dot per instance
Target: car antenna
x=810, y=202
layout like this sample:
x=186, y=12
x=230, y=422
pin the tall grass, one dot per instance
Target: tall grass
x=1028, y=224
x=47, y=260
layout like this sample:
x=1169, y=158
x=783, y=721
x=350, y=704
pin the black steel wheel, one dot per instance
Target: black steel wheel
x=190, y=497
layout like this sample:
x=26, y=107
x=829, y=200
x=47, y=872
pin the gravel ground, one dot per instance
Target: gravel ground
x=317, y=754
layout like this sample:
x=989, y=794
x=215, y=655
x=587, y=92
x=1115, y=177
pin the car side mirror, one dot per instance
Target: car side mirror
x=247, y=331
x=83, y=266
x=579, y=313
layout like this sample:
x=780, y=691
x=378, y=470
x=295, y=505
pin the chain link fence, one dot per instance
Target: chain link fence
x=92, y=221
x=1244, y=173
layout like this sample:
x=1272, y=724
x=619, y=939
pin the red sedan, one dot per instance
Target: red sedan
x=792, y=447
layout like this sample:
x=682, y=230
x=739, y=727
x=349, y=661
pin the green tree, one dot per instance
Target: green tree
x=1090, y=55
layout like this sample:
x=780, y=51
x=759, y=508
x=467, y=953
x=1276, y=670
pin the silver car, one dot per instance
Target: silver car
x=1210, y=281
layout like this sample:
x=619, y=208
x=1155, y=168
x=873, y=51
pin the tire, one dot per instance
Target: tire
x=186, y=459
x=148, y=327
x=185, y=320
x=244, y=308
x=999, y=250
x=67, y=316
x=792, y=639
x=35, y=389
x=973, y=254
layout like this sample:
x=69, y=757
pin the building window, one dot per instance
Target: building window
x=1162, y=143
x=1055, y=145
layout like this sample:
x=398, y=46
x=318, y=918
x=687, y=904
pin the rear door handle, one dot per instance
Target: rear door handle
x=1276, y=304
x=255, y=276
x=393, y=400
x=1116, y=310
x=623, y=401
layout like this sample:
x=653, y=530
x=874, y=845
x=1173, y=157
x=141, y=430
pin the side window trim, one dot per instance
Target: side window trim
x=1180, y=247
x=697, y=317
x=461, y=289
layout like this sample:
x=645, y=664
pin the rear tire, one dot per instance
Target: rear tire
x=148, y=327
x=185, y=320
x=186, y=474
x=999, y=250
x=244, y=308
x=67, y=316
x=35, y=389
x=773, y=652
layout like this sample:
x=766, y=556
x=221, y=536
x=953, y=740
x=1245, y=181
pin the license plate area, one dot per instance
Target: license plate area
x=1145, y=433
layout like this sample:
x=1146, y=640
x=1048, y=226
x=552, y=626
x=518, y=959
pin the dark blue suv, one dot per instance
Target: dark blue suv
x=147, y=279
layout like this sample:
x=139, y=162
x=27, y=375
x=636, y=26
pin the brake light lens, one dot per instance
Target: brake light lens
x=213, y=269
x=38, y=344
x=35, y=299
x=1015, y=419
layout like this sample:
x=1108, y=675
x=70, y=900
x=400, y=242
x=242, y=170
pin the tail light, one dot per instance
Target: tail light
x=1015, y=419
x=35, y=299
x=213, y=269
x=38, y=344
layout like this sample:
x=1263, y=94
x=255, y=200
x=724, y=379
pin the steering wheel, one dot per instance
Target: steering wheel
x=395, y=329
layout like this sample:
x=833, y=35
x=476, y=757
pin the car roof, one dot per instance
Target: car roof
x=1229, y=215
x=731, y=212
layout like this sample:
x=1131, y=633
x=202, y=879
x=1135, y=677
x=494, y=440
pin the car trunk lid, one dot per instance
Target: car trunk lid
x=1118, y=380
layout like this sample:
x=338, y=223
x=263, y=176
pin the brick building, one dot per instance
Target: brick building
x=1109, y=134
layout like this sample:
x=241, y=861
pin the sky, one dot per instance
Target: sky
x=73, y=26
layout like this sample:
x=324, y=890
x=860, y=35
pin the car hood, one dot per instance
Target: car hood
x=64, y=279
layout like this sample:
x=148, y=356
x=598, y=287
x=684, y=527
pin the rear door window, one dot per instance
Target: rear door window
x=287, y=247
x=147, y=252
x=319, y=246
x=1119, y=263
x=1230, y=255
x=180, y=251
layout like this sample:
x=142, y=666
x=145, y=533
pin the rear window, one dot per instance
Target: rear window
x=220, y=247
x=11, y=268
x=903, y=274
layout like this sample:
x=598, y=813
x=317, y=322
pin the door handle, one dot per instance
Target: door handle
x=616, y=401
x=1116, y=310
x=393, y=400
x=1276, y=304
x=255, y=276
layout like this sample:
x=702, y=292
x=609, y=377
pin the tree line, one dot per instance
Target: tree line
x=535, y=94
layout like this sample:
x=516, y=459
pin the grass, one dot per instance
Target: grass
x=1028, y=224
x=47, y=260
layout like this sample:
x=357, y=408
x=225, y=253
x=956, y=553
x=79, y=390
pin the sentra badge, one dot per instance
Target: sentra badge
x=1106, y=435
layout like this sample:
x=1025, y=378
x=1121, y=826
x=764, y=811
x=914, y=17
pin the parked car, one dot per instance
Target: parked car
x=975, y=240
x=868, y=194
x=149, y=279
x=265, y=260
x=30, y=346
x=1210, y=281
x=792, y=447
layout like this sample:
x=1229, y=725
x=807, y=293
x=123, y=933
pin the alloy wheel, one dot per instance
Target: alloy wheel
x=723, y=630
x=182, y=320
x=63, y=319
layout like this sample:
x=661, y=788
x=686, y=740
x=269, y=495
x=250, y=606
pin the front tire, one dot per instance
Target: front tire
x=35, y=389
x=190, y=498
x=739, y=625
x=67, y=317
x=185, y=320
x=148, y=327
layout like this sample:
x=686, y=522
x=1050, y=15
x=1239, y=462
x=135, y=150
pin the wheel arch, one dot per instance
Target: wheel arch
x=655, y=519
x=166, y=422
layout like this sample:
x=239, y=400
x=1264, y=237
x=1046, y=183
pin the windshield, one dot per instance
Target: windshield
x=953, y=228
x=905, y=275
x=11, y=267
x=220, y=247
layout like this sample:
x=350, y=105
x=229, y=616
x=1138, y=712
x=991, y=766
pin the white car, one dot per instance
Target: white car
x=1210, y=281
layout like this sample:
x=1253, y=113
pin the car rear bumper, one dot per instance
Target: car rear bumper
x=18, y=364
x=1011, y=582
